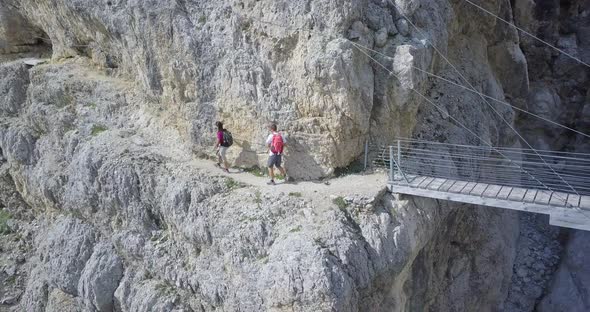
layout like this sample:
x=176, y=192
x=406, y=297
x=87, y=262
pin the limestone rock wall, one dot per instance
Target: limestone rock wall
x=244, y=62
x=124, y=220
x=560, y=92
x=477, y=244
x=252, y=62
x=569, y=291
x=559, y=85
x=18, y=34
x=98, y=146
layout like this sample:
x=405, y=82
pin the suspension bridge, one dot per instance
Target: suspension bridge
x=548, y=182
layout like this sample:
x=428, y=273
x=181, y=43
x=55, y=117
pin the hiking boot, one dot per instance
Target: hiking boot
x=225, y=170
x=218, y=165
x=271, y=182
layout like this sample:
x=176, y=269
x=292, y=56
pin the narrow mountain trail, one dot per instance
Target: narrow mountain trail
x=320, y=194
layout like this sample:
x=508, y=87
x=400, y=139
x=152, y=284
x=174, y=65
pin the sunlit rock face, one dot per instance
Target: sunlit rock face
x=100, y=145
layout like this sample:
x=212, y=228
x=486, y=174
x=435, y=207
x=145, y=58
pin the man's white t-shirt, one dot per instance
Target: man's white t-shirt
x=269, y=141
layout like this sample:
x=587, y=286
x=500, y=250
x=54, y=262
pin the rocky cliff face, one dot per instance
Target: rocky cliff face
x=106, y=205
x=206, y=61
x=241, y=62
x=559, y=84
x=559, y=91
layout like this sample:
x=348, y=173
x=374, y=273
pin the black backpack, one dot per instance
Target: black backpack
x=228, y=140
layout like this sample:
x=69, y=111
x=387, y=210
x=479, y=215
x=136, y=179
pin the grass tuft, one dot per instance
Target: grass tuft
x=295, y=229
x=67, y=100
x=4, y=217
x=256, y=171
x=97, y=129
x=295, y=194
x=232, y=184
x=263, y=259
x=340, y=202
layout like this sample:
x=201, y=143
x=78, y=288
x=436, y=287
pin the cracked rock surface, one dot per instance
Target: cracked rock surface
x=108, y=203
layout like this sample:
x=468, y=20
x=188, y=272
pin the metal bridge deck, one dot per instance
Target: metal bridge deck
x=554, y=183
x=566, y=210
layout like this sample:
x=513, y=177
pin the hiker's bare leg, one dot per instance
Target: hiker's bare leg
x=223, y=163
x=271, y=172
x=282, y=170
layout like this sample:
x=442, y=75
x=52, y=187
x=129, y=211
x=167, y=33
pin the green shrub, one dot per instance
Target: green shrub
x=295, y=229
x=11, y=280
x=231, y=183
x=295, y=194
x=4, y=217
x=263, y=259
x=256, y=171
x=97, y=129
x=67, y=100
x=340, y=202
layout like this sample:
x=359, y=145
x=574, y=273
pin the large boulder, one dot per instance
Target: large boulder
x=570, y=289
x=14, y=80
x=511, y=68
x=64, y=251
x=100, y=278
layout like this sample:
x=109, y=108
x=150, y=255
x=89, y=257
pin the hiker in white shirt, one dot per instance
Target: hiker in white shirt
x=275, y=143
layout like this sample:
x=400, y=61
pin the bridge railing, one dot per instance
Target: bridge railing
x=548, y=170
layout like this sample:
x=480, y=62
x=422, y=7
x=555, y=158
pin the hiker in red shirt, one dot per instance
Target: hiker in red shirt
x=275, y=143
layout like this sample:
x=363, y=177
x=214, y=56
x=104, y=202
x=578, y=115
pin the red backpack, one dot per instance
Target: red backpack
x=277, y=144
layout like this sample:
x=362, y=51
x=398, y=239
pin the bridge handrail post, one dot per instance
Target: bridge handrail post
x=397, y=164
x=399, y=155
x=366, y=153
x=391, y=162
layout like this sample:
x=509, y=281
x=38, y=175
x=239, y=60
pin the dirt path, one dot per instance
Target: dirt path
x=319, y=193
